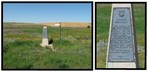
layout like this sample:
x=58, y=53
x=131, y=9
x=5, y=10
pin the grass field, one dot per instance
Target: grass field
x=22, y=50
x=103, y=23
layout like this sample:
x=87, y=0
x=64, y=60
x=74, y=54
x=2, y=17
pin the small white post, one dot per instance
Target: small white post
x=45, y=41
x=44, y=37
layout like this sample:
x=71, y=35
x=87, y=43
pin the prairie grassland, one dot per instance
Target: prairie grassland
x=103, y=23
x=22, y=50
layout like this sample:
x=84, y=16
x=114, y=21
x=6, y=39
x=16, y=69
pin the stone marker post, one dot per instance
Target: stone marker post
x=122, y=49
x=44, y=37
x=45, y=41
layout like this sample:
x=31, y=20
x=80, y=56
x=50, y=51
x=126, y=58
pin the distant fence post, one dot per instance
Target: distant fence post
x=60, y=31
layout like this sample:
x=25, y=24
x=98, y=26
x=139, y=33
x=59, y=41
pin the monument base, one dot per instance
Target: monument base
x=121, y=65
x=45, y=44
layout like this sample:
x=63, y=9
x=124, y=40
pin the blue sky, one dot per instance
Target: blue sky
x=46, y=12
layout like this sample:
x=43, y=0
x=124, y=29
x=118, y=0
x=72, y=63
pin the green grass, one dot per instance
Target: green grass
x=103, y=24
x=22, y=50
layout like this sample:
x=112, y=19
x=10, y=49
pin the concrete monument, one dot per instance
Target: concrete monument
x=44, y=37
x=45, y=41
x=122, y=49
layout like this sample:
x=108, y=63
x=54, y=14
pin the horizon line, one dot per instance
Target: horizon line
x=43, y=22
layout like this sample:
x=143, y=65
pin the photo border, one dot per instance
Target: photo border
x=133, y=22
x=60, y=2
